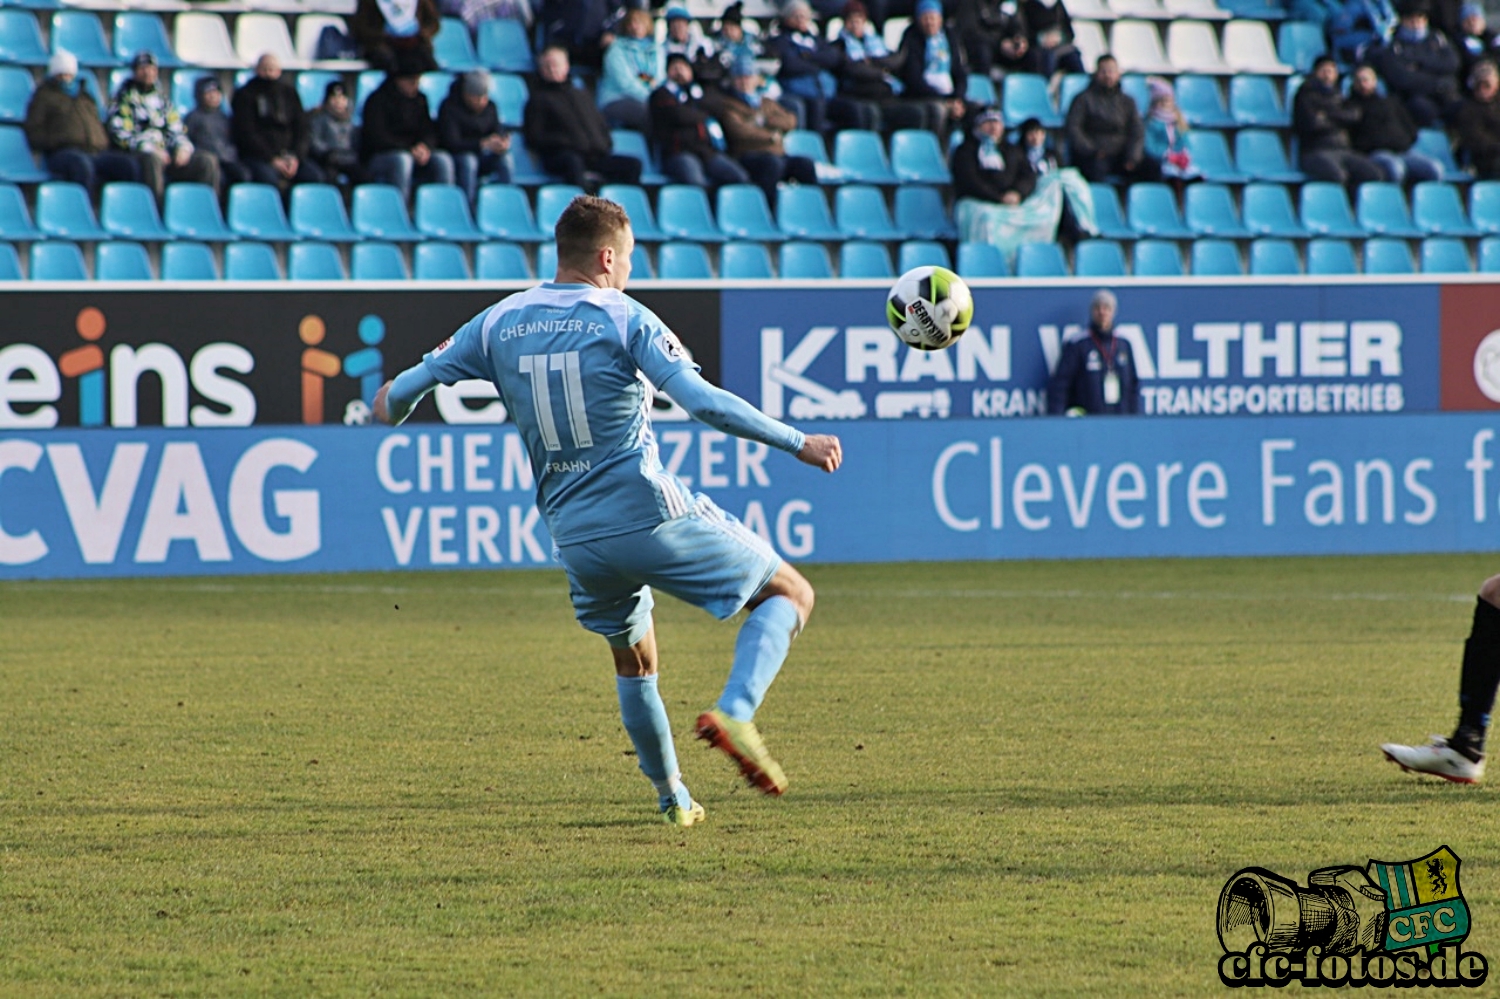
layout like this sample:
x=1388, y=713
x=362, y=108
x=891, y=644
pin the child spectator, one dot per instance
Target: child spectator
x=209, y=129
x=333, y=138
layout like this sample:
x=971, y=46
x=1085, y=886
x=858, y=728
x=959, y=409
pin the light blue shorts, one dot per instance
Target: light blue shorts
x=706, y=558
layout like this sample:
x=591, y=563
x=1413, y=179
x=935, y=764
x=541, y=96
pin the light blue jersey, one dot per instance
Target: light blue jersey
x=567, y=361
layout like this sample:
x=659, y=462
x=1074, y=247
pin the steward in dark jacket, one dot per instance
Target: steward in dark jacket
x=1096, y=372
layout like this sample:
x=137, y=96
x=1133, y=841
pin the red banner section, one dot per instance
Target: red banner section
x=1470, y=347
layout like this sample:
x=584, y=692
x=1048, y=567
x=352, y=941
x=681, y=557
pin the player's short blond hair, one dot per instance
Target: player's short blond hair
x=585, y=227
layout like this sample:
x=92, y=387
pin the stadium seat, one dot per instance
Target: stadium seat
x=1137, y=46
x=309, y=32
x=860, y=213
x=1269, y=212
x=802, y=213
x=16, y=88
x=1274, y=257
x=861, y=259
x=1331, y=257
x=79, y=32
x=256, y=35
x=546, y=261
x=503, y=46
x=1108, y=214
x=745, y=261
x=981, y=260
x=373, y=260
x=1210, y=211
x=1202, y=102
x=1259, y=154
x=380, y=212
x=861, y=157
x=365, y=84
x=1024, y=95
x=63, y=211
x=920, y=213
x=921, y=253
x=1489, y=255
x=442, y=212
x=128, y=211
x=1484, y=206
x=1438, y=210
x=192, y=212
x=435, y=87
x=551, y=199
x=1384, y=255
x=183, y=260
x=1248, y=48
x=1325, y=211
x=524, y=169
x=21, y=39
x=892, y=33
x=504, y=212
x=1213, y=258
x=184, y=82
x=255, y=212
x=1255, y=103
x=1210, y=154
x=15, y=220
x=640, y=263
x=314, y=262
x=1099, y=258
x=1158, y=258
x=500, y=262
x=1434, y=142
x=1193, y=47
x=684, y=261
x=981, y=90
x=142, y=31
x=633, y=144
x=1040, y=260
x=1088, y=37
x=1380, y=209
x=801, y=142
x=633, y=199
x=250, y=262
x=805, y=261
x=1299, y=43
x=683, y=214
x=57, y=261
x=1258, y=10
x=10, y=263
x=1136, y=87
x=510, y=94
x=453, y=48
x=1152, y=210
x=744, y=214
x=1073, y=84
x=318, y=213
x=16, y=163
x=201, y=39
x=1202, y=10
x=439, y=261
x=1444, y=255
x=122, y=262
x=917, y=158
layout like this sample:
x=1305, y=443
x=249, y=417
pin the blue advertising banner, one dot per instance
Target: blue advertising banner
x=192, y=502
x=1242, y=349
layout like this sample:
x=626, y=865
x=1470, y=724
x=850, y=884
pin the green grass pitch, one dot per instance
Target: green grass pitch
x=1006, y=779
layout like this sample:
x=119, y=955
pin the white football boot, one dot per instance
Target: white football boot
x=1435, y=758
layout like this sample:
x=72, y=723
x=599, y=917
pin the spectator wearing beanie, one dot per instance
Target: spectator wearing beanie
x=210, y=130
x=333, y=138
x=62, y=124
x=469, y=129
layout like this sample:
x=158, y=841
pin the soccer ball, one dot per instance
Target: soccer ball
x=929, y=307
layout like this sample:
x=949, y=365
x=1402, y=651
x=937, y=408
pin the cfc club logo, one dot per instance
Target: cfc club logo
x=1390, y=923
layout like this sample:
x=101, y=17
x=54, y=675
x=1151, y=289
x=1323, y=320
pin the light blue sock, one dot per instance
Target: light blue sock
x=759, y=652
x=645, y=718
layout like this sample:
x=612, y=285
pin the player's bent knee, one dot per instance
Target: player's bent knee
x=1489, y=591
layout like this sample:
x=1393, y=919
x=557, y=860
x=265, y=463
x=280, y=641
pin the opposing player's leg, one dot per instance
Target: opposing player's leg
x=1460, y=757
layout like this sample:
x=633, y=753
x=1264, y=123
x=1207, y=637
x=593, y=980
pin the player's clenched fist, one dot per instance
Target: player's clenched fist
x=822, y=451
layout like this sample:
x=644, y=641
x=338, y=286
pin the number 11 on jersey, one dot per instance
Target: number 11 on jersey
x=538, y=367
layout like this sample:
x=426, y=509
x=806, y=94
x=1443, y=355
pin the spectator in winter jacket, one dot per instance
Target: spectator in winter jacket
x=691, y=141
x=565, y=129
x=995, y=36
x=399, y=138
x=805, y=57
x=270, y=128
x=1166, y=134
x=1095, y=372
x=210, y=130
x=1051, y=32
x=932, y=66
x=684, y=38
x=867, y=95
x=144, y=123
x=988, y=168
x=1475, y=40
x=388, y=31
x=333, y=138
x=1105, y=132
x=1419, y=67
x=634, y=65
x=469, y=129
x=62, y=125
x=1322, y=119
x=1478, y=121
x=1385, y=132
x=753, y=129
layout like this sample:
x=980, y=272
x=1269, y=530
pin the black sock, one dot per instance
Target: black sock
x=1479, y=679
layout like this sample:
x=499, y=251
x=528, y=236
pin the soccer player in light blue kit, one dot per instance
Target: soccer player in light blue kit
x=568, y=358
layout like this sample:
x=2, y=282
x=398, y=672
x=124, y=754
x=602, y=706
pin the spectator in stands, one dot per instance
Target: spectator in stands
x=933, y=67
x=807, y=65
x=1350, y=26
x=995, y=37
x=634, y=65
x=1475, y=40
x=577, y=26
x=684, y=38
x=867, y=90
x=691, y=140
x=399, y=138
x=1105, y=132
x=270, y=128
x=1385, y=132
x=145, y=123
x=1095, y=373
x=210, y=130
x=754, y=126
x=62, y=125
x=469, y=129
x=1322, y=119
x=1166, y=134
x=731, y=42
x=333, y=138
x=565, y=129
x=387, y=30
x=1419, y=66
x=1478, y=121
x=1051, y=33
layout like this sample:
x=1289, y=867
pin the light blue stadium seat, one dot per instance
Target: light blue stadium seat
x=435, y=86
x=917, y=158
x=1326, y=212
x=1484, y=206
x=504, y=212
x=142, y=31
x=122, y=261
x=36, y=4
x=500, y=262
x=861, y=155
x=63, y=211
x=551, y=200
x=1438, y=210
x=1108, y=213
x=1157, y=258
x=1210, y=154
x=744, y=214
x=16, y=88
x=255, y=212
x=1024, y=95
x=802, y=213
x=439, y=261
x=1255, y=10
x=128, y=211
x=318, y=213
x=57, y=260
x=80, y=32
x=805, y=261
x=1210, y=211
x=1269, y=212
x=684, y=261
x=1435, y=143
x=1215, y=258
x=1380, y=208
x=1040, y=260
x=1489, y=255
x=373, y=260
x=16, y=163
x=442, y=212
x=1269, y=256
x=744, y=261
x=192, y=212
x=183, y=82
x=250, y=262
x=1152, y=210
x=15, y=218
x=314, y=262
x=524, y=169
x=510, y=94
x=1255, y=103
x=642, y=219
x=1298, y=43
x=1444, y=255
x=503, y=46
x=801, y=142
x=1385, y=255
x=1073, y=84
x=366, y=84
x=453, y=48
x=10, y=263
x=1331, y=257
x=640, y=263
x=981, y=260
x=682, y=212
x=860, y=212
x=633, y=144
x=921, y=213
x=862, y=259
x=546, y=261
x=1099, y=258
x=1202, y=102
x=184, y=260
x=380, y=212
x=921, y=253
x=312, y=84
x=1134, y=86
x=980, y=90
x=21, y=39
x=1260, y=154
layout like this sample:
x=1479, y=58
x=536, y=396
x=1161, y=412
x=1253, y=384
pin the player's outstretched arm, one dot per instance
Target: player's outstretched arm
x=822, y=451
x=398, y=397
x=728, y=412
